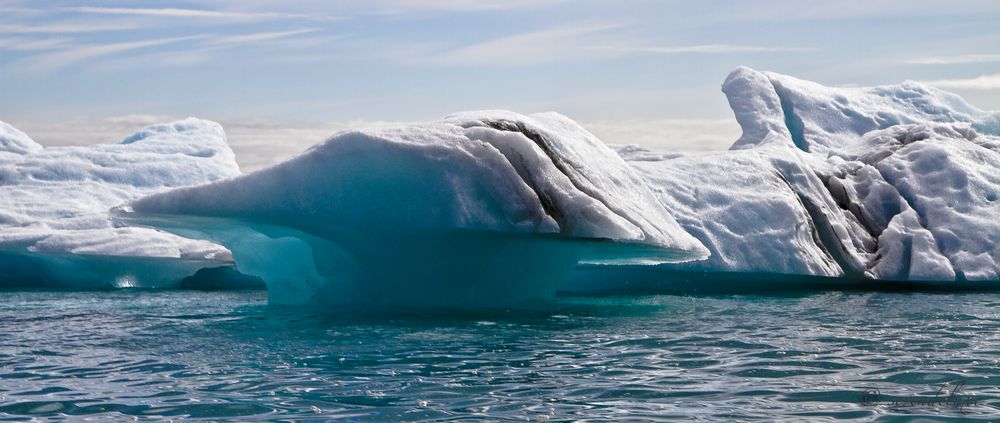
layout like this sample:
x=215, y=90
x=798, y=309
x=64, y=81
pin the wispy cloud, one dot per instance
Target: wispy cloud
x=27, y=44
x=58, y=28
x=956, y=60
x=402, y=6
x=62, y=58
x=204, y=51
x=260, y=36
x=183, y=13
x=549, y=45
x=356, y=9
x=982, y=82
x=6, y=10
x=582, y=42
x=720, y=49
x=793, y=11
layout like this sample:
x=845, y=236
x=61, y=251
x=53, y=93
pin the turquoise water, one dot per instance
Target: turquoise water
x=172, y=354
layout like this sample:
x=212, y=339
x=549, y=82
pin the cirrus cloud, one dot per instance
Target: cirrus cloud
x=982, y=82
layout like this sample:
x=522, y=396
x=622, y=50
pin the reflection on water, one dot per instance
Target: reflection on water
x=227, y=354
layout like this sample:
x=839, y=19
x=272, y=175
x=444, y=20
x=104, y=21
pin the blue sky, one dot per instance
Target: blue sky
x=283, y=74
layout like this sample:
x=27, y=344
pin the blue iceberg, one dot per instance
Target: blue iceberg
x=478, y=209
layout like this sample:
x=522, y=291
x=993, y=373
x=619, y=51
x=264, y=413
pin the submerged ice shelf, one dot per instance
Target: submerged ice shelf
x=826, y=186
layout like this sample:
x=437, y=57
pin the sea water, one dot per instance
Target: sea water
x=125, y=354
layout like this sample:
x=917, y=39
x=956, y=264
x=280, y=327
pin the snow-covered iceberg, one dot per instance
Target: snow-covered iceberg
x=54, y=223
x=478, y=208
x=893, y=183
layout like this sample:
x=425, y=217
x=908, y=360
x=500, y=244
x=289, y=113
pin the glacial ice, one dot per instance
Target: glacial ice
x=893, y=183
x=826, y=187
x=54, y=223
x=395, y=214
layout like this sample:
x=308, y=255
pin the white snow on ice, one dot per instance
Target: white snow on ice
x=54, y=201
x=890, y=182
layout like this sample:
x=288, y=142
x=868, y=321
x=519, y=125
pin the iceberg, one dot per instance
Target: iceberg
x=895, y=184
x=55, y=229
x=826, y=187
x=480, y=208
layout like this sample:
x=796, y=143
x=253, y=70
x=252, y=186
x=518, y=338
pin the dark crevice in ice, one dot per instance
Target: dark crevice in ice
x=548, y=204
x=563, y=166
x=812, y=226
x=891, y=147
x=921, y=219
x=841, y=198
x=904, y=140
x=822, y=232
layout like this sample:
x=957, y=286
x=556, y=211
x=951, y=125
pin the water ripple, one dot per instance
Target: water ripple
x=226, y=355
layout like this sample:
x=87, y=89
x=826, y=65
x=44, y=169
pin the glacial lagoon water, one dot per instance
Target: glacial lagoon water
x=882, y=356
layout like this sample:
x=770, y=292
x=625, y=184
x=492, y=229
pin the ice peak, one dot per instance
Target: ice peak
x=775, y=108
x=12, y=140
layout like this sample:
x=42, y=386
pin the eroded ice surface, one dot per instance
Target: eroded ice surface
x=894, y=183
x=54, y=202
x=480, y=200
x=741, y=208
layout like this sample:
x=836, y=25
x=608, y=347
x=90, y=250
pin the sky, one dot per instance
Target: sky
x=281, y=75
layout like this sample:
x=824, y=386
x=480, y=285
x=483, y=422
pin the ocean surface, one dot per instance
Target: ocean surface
x=884, y=356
